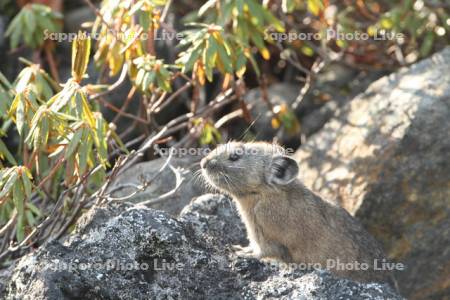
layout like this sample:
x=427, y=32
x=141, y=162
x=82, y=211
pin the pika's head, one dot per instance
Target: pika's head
x=248, y=168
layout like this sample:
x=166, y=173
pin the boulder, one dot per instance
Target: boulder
x=333, y=87
x=277, y=94
x=141, y=253
x=385, y=158
x=73, y=19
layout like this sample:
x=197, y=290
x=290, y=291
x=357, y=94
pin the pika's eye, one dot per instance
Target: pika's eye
x=234, y=156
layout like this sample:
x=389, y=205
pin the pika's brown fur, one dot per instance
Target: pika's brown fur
x=284, y=219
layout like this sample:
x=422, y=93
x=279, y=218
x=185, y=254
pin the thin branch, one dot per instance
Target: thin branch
x=165, y=11
x=122, y=113
x=178, y=181
x=125, y=104
x=228, y=117
x=139, y=188
x=115, y=85
x=11, y=222
x=185, y=87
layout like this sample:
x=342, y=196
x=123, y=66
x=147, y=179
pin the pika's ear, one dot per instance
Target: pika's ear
x=282, y=170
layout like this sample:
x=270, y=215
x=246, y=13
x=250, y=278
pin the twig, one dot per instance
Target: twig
x=228, y=117
x=51, y=62
x=178, y=181
x=165, y=11
x=125, y=104
x=11, y=222
x=115, y=85
x=317, y=66
x=139, y=188
x=185, y=87
x=122, y=113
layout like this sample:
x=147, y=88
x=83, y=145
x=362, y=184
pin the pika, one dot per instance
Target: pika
x=285, y=220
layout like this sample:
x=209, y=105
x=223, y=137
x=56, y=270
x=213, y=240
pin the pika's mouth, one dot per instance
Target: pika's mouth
x=211, y=175
x=210, y=178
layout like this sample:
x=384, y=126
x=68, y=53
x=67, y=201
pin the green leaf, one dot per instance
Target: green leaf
x=140, y=77
x=144, y=20
x=30, y=218
x=87, y=112
x=224, y=58
x=162, y=83
x=254, y=64
x=9, y=184
x=78, y=105
x=100, y=140
x=288, y=6
x=192, y=59
x=73, y=144
x=23, y=79
x=20, y=231
x=35, y=123
x=20, y=115
x=83, y=153
x=4, y=151
x=45, y=130
x=37, y=138
x=5, y=81
x=5, y=174
x=210, y=55
x=241, y=64
x=47, y=23
x=15, y=38
x=273, y=21
x=14, y=25
x=27, y=184
x=34, y=209
x=149, y=79
x=257, y=40
x=43, y=88
x=18, y=198
x=256, y=12
x=427, y=44
x=30, y=20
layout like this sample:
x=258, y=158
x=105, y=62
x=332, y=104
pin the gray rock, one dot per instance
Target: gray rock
x=123, y=255
x=278, y=94
x=191, y=187
x=73, y=19
x=385, y=158
x=215, y=219
x=332, y=88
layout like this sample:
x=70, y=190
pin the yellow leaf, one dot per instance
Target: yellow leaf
x=308, y=51
x=81, y=49
x=200, y=73
x=265, y=53
x=241, y=71
x=386, y=23
x=315, y=6
x=371, y=30
x=275, y=123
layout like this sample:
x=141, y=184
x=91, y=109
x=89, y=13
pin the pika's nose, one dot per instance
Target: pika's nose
x=208, y=163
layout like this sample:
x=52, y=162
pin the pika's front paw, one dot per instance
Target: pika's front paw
x=246, y=252
x=239, y=248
